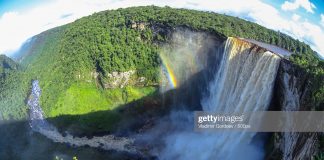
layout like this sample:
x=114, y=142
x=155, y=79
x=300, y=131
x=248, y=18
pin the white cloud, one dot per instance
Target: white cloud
x=295, y=17
x=17, y=27
x=306, y=4
x=314, y=34
x=322, y=20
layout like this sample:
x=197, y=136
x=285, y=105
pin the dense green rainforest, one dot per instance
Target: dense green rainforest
x=74, y=62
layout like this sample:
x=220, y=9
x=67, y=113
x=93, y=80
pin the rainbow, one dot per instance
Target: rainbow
x=170, y=74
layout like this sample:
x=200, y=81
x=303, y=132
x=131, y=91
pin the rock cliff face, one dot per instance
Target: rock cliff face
x=122, y=79
x=292, y=93
x=114, y=79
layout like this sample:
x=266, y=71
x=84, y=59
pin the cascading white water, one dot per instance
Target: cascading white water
x=40, y=125
x=243, y=83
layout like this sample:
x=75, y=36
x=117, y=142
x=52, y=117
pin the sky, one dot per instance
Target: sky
x=22, y=19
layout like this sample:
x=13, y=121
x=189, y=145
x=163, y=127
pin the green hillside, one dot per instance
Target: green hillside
x=73, y=62
x=11, y=92
x=7, y=65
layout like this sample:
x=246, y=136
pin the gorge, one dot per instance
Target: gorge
x=124, y=84
x=244, y=81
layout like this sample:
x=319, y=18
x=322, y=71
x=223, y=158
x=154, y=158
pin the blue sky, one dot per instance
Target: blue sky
x=312, y=17
x=301, y=19
x=18, y=5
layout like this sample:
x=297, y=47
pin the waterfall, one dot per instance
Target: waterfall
x=243, y=83
x=244, y=80
x=39, y=124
